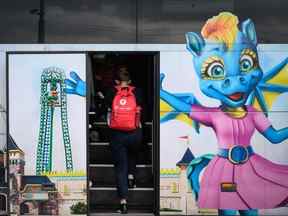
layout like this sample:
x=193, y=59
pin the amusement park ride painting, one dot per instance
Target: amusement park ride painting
x=47, y=124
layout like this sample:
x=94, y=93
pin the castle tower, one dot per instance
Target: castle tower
x=16, y=158
x=188, y=204
x=16, y=161
x=16, y=172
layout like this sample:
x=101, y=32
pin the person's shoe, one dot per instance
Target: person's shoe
x=123, y=208
x=131, y=183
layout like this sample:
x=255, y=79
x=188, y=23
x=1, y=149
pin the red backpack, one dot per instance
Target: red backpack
x=125, y=114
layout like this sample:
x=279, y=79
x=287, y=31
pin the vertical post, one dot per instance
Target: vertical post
x=41, y=24
x=156, y=133
x=136, y=21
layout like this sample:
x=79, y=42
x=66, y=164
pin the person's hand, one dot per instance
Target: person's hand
x=100, y=94
x=75, y=85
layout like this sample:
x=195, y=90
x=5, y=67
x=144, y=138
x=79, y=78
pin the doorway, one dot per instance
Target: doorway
x=3, y=203
x=143, y=68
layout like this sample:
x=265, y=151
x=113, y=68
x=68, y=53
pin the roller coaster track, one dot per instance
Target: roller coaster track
x=53, y=97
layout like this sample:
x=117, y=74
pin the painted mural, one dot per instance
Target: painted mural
x=215, y=159
x=47, y=142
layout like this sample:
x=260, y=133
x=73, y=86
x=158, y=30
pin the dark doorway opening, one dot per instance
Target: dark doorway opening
x=2, y=169
x=144, y=71
x=3, y=203
x=24, y=208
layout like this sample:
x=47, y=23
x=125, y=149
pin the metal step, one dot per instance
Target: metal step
x=104, y=123
x=111, y=165
x=106, y=200
x=116, y=214
x=104, y=131
x=103, y=198
x=107, y=144
x=114, y=189
x=100, y=153
x=103, y=175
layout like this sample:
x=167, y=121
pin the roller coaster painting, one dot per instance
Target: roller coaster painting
x=48, y=125
x=53, y=97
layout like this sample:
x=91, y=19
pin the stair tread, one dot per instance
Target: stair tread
x=114, y=188
x=111, y=165
x=103, y=194
x=101, y=133
x=108, y=200
x=107, y=143
x=110, y=213
x=102, y=154
x=103, y=175
x=105, y=123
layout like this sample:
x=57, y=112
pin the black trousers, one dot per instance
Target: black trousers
x=125, y=147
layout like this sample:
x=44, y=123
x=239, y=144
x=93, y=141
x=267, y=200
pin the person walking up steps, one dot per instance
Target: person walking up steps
x=124, y=104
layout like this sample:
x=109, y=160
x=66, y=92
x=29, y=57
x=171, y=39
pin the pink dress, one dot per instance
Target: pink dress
x=261, y=184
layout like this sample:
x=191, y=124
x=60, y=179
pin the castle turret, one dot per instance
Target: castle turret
x=186, y=199
x=16, y=164
x=16, y=158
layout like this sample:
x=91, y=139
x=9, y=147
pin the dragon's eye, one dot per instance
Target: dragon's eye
x=248, y=60
x=213, y=69
x=246, y=63
x=216, y=70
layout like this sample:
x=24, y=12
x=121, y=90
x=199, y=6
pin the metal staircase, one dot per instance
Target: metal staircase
x=102, y=191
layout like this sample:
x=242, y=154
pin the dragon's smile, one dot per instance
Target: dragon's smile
x=236, y=96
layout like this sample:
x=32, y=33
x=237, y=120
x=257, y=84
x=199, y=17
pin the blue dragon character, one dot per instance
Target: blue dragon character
x=226, y=61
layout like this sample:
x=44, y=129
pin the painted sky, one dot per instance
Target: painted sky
x=24, y=107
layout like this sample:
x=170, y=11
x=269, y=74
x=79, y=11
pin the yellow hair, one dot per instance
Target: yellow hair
x=222, y=28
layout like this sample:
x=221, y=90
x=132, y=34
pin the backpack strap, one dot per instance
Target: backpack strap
x=131, y=89
x=125, y=91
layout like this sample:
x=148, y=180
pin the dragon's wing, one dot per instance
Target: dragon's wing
x=168, y=113
x=273, y=83
x=194, y=170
